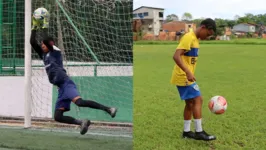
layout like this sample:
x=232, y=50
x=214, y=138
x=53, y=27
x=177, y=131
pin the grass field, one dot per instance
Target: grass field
x=29, y=139
x=242, y=41
x=236, y=72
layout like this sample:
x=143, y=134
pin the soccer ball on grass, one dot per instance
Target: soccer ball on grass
x=217, y=105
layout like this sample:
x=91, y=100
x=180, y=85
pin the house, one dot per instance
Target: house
x=151, y=18
x=177, y=26
x=225, y=35
x=244, y=28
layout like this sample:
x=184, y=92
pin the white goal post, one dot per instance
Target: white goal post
x=27, y=75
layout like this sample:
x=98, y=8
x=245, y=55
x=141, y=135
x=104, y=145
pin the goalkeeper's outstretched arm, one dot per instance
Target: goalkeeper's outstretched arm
x=44, y=34
x=34, y=44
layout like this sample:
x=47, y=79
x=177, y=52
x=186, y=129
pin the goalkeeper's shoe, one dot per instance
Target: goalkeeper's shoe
x=204, y=136
x=35, y=24
x=188, y=135
x=112, y=111
x=84, y=126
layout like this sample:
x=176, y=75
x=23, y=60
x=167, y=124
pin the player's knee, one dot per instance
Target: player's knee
x=58, y=115
x=189, y=104
x=79, y=102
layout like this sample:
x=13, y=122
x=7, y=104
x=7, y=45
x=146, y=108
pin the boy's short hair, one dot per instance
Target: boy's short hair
x=209, y=24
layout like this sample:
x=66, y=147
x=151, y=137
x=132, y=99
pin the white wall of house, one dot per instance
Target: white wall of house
x=148, y=13
x=155, y=14
x=156, y=23
x=252, y=28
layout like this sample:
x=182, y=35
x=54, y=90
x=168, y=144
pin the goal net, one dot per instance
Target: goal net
x=95, y=37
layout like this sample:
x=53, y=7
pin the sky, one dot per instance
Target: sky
x=225, y=9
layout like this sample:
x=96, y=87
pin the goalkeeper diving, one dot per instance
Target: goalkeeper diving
x=67, y=90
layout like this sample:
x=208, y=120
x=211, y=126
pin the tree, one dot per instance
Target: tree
x=248, y=18
x=261, y=30
x=187, y=16
x=197, y=21
x=172, y=17
x=231, y=23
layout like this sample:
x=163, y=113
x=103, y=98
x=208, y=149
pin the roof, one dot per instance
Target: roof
x=187, y=22
x=148, y=7
x=250, y=24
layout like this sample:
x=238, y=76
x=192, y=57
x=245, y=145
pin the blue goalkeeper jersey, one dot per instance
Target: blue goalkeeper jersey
x=53, y=62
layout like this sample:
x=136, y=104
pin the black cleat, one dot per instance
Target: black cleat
x=204, y=136
x=84, y=126
x=112, y=111
x=188, y=135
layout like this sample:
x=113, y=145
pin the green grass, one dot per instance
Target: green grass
x=22, y=139
x=236, y=72
x=245, y=41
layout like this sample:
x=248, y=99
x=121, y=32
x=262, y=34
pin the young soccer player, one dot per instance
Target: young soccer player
x=67, y=90
x=185, y=57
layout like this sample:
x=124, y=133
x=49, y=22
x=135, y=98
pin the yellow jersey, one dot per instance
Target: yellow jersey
x=190, y=43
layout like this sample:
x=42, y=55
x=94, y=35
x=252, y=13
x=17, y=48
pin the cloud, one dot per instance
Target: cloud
x=206, y=8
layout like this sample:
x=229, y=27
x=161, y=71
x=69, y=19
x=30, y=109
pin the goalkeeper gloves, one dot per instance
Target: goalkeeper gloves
x=35, y=24
x=40, y=24
x=45, y=24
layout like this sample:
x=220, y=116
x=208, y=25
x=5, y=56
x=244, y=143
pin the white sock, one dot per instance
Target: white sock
x=198, y=125
x=187, y=125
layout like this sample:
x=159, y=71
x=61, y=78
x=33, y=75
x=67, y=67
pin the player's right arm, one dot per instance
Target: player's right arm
x=183, y=47
x=33, y=40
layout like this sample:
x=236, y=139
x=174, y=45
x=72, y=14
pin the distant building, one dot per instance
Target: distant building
x=151, y=17
x=244, y=28
x=177, y=26
x=226, y=34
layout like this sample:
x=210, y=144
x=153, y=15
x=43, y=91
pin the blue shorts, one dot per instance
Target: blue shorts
x=66, y=93
x=188, y=92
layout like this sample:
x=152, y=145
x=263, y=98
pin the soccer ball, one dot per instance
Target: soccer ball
x=40, y=13
x=218, y=105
